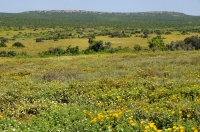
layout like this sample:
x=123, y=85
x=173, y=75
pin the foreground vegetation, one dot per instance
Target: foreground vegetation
x=116, y=92
x=99, y=71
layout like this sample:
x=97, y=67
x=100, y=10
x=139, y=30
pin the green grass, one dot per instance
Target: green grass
x=101, y=92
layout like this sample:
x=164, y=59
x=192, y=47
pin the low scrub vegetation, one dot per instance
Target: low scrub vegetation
x=58, y=51
x=13, y=53
x=18, y=44
x=118, y=92
x=100, y=74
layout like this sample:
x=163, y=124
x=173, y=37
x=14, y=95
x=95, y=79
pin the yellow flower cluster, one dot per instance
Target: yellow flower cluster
x=101, y=117
x=151, y=127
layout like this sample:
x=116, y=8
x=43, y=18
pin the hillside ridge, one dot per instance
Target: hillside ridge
x=101, y=12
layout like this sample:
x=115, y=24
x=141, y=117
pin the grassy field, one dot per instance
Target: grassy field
x=33, y=48
x=150, y=92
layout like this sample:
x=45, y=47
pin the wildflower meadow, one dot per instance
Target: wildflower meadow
x=130, y=92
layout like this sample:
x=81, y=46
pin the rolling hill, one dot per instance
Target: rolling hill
x=80, y=18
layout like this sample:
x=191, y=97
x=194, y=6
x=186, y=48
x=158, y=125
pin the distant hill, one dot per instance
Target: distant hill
x=81, y=18
x=152, y=13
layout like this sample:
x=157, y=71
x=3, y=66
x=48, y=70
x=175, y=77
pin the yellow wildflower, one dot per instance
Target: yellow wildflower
x=94, y=120
x=154, y=128
x=147, y=127
x=118, y=97
x=169, y=129
x=181, y=129
x=142, y=122
x=188, y=115
x=109, y=127
x=151, y=125
x=84, y=111
x=133, y=124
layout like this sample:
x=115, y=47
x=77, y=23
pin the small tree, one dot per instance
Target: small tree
x=156, y=43
x=18, y=44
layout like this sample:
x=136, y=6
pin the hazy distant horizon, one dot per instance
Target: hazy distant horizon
x=101, y=11
x=133, y=6
x=94, y=11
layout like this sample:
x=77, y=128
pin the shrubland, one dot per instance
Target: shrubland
x=99, y=74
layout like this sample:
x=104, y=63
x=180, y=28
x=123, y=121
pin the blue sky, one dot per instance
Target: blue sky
x=190, y=7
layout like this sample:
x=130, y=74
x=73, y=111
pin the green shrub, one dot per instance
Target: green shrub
x=108, y=44
x=194, y=41
x=18, y=44
x=38, y=40
x=179, y=45
x=168, y=32
x=72, y=50
x=3, y=54
x=12, y=53
x=156, y=43
x=56, y=51
x=137, y=47
x=2, y=44
x=7, y=54
x=2, y=39
x=96, y=46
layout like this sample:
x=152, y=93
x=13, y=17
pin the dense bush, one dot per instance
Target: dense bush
x=58, y=51
x=72, y=50
x=18, y=44
x=179, y=45
x=3, y=53
x=38, y=39
x=168, y=32
x=12, y=53
x=156, y=43
x=95, y=45
x=119, y=34
x=2, y=44
x=194, y=41
x=7, y=54
x=158, y=32
x=2, y=39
